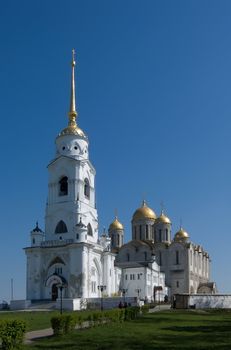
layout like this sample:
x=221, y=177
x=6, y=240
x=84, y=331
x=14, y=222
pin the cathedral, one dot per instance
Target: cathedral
x=70, y=253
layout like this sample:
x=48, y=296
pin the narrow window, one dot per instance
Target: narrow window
x=118, y=240
x=135, y=232
x=86, y=188
x=145, y=256
x=33, y=241
x=146, y=231
x=61, y=227
x=177, y=257
x=58, y=270
x=128, y=257
x=166, y=234
x=126, y=277
x=177, y=284
x=159, y=235
x=140, y=232
x=63, y=186
x=89, y=230
x=77, y=236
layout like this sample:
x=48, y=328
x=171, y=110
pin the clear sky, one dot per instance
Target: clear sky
x=153, y=83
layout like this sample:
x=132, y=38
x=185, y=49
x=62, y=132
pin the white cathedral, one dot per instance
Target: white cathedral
x=70, y=252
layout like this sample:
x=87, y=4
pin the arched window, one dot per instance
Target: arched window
x=159, y=235
x=146, y=231
x=61, y=227
x=63, y=186
x=140, y=232
x=177, y=258
x=166, y=234
x=86, y=188
x=89, y=230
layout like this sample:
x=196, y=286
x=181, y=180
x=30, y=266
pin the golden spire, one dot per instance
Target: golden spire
x=72, y=128
x=72, y=113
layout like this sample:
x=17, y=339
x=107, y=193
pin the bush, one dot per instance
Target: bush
x=63, y=324
x=12, y=334
x=145, y=309
x=80, y=320
x=131, y=313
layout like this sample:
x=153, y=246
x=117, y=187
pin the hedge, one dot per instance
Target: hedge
x=63, y=324
x=12, y=334
x=66, y=323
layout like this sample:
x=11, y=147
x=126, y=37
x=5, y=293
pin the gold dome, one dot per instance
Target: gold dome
x=72, y=130
x=144, y=212
x=181, y=235
x=116, y=225
x=163, y=219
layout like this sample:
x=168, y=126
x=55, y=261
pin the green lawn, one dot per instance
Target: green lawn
x=164, y=330
x=34, y=319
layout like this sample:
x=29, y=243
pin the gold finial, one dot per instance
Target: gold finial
x=72, y=113
x=72, y=128
x=116, y=214
x=162, y=207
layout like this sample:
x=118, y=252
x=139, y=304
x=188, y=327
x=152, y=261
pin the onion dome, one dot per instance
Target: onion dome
x=163, y=219
x=116, y=225
x=37, y=229
x=181, y=235
x=72, y=128
x=144, y=212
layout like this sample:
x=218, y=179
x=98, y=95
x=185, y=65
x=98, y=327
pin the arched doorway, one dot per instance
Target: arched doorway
x=54, y=292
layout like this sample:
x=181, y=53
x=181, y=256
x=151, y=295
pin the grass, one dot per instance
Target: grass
x=163, y=330
x=34, y=319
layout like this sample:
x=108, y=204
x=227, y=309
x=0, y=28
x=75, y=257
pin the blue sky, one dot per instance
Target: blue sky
x=154, y=96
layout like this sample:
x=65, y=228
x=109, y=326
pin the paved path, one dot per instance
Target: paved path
x=42, y=333
x=161, y=307
x=34, y=335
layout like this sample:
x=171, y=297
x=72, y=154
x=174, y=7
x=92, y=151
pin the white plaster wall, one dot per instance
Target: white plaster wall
x=203, y=301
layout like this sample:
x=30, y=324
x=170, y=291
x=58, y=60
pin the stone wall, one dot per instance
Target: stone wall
x=202, y=301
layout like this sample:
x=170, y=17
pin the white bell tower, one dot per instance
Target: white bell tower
x=71, y=210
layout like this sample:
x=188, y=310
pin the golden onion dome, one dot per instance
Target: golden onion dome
x=163, y=219
x=72, y=130
x=116, y=225
x=181, y=235
x=144, y=212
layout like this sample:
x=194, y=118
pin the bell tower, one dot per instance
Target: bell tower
x=71, y=203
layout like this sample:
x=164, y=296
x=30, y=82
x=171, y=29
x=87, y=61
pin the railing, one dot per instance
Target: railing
x=53, y=243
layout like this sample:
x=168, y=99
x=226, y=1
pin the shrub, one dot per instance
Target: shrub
x=70, y=323
x=145, y=309
x=63, y=324
x=12, y=334
x=90, y=320
x=80, y=320
x=131, y=313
